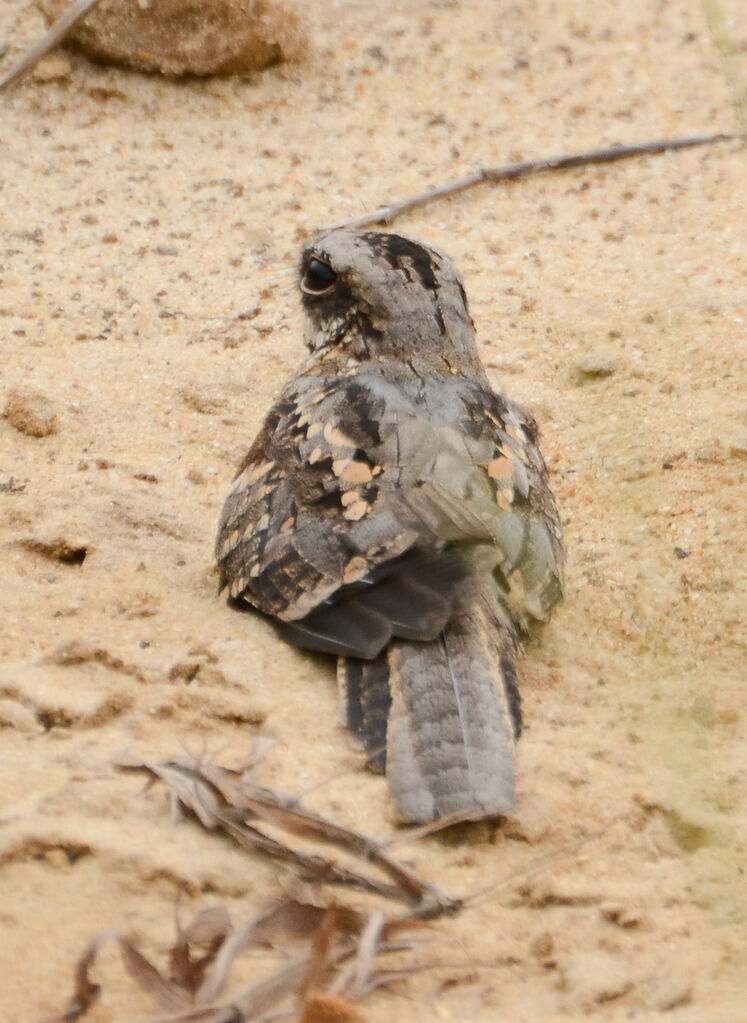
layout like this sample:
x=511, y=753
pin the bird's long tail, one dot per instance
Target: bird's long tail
x=448, y=713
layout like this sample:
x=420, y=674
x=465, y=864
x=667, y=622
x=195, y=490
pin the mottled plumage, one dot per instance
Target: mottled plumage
x=395, y=511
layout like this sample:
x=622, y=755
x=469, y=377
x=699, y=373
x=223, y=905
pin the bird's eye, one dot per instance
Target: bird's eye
x=318, y=277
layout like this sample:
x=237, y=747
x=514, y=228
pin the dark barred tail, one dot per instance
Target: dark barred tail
x=366, y=701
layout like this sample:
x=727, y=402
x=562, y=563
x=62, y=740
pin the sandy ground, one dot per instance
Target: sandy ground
x=146, y=299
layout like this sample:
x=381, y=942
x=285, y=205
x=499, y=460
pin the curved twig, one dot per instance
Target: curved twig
x=524, y=168
x=51, y=38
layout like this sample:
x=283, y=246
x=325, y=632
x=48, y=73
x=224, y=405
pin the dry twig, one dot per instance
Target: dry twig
x=525, y=168
x=340, y=959
x=194, y=982
x=228, y=799
x=51, y=38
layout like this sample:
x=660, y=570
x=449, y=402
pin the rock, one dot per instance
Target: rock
x=183, y=37
x=30, y=412
x=54, y=68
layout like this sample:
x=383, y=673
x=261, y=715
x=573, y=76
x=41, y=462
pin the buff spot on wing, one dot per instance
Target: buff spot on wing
x=354, y=569
x=500, y=468
x=248, y=530
x=356, y=473
x=287, y=524
x=496, y=420
x=255, y=570
x=349, y=497
x=313, y=430
x=504, y=498
x=337, y=438
x=237, y=586
x=355, y=511
x=514, y=432
x=230, y=542
x=315, y=455
x=252, y=473
x=262, y=522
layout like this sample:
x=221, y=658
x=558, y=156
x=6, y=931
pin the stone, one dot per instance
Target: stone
x=184, y=37
x=30, y=412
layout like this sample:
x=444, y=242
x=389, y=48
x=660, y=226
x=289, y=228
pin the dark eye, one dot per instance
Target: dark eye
x=318, y=277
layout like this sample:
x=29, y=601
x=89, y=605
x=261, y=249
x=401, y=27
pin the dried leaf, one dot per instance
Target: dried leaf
x=151, y=980
x=337, y=934
x=211, y=927
x=86, y=993
x=355, y=980
x=203, y=953
x=259, y=997
x=314, y=866
x=139, y=968
x=228, y=798
x=320, y=951
x=321, y=1007
x=290, y=918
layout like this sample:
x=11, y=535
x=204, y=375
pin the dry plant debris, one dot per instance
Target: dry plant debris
x=228, y=799
x=337, y=964
x=525, y=168
x=339, y=959
x=333, y=953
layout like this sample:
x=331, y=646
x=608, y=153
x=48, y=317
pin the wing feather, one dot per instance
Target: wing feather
x=362, y=503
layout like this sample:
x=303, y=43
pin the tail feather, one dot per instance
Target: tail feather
x=453, y=723
x=366, y=702
x=449, y=712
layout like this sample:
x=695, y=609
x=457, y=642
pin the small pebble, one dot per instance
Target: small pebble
x=31, y=412
x=54, y=68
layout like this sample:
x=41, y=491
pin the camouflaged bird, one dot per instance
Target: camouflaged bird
x=394, y=511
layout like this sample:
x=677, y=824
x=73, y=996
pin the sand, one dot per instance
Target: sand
x=147, y=317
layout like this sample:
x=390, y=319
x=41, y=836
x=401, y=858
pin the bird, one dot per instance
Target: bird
x=394, y=511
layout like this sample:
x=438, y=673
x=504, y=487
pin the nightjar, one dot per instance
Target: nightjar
x=394, y=511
